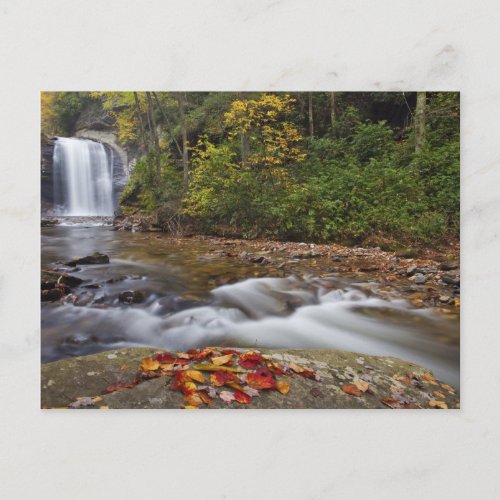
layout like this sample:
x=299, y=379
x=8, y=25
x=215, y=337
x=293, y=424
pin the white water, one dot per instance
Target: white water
x=254, y=313
x=83, y=178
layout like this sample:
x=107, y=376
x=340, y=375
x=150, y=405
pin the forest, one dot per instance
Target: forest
x=357, y=168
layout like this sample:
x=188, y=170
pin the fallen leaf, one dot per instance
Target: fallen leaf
x=251, y=392
x=167, y=367
x=220, y=377
x=205, y=397
x=260, y=379
x=104, y=407
x=250, y=360
x=361, y=385
x=351, y=390
x=195, y=375
x=241, y=397
x=429, y=378
x=149, y=364
x=282, y=386
x=295, y=368
x=435, y=403
x=116, y=387
x=439, y=394
x=210, y=367
x=194, y=399
x=448, y=388
x=227, y=396
x=190, y=407
x=222, y=360
x=165, y=357
x=82, y=403
x=183, y=355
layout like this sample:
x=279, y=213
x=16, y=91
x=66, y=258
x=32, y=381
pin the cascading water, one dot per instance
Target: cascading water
x=83, y=178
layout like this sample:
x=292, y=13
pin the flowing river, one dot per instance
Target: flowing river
x=193, y=297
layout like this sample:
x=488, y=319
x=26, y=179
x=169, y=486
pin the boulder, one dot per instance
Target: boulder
x=389, y=382
x=132, y=297
x=95, y=258
x=50, y=278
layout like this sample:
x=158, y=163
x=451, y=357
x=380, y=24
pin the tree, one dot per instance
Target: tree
x=420, y=122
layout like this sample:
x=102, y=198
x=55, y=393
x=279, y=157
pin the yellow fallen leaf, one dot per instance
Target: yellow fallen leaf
x=97, y=399
x=183, y=355
x=167, y=367
x=282, y=386
x=457, y=302
x=103, y=407
x=210, y=367
x=189, y=386
x=361, y=385
x=439, y=394
x=221, y=360
x=149, y=364
x=435, y=403
x=196, y=375
x=448, y=388
x=190, y=407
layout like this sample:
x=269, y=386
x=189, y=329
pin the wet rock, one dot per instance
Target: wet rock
x=410, y=271
x=451, y=279
x=132, y=297
x=49, y=222
x=444, y=299
x=420, y=279
x=84, y=299
x=368, y=269
x=448, y=266
x=53, y=294
x=336, y=258
x=95, y=258
x=50, y=278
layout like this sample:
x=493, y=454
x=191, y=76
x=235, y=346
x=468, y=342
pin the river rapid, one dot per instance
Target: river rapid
x=195, y=297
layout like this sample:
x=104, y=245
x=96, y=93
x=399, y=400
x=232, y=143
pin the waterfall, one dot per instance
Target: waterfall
x=83, y=178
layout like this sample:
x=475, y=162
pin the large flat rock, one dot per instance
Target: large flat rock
x=390, y=380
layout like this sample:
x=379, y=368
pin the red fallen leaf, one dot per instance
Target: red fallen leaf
x=221, y=377
x=182, y=381
x=230, y=351
x=275, y=368
x=116, y=387
x=202, y=354
x=307, y=374
x=352, y=390
x=241, y=397
x=164, y=358
x=261, y=379
x=251, y=360
x=181, y=362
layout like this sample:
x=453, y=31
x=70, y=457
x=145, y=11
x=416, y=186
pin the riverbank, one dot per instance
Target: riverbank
x=335, y=379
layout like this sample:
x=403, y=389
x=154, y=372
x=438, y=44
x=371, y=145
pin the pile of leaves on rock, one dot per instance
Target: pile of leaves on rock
x=203, y=375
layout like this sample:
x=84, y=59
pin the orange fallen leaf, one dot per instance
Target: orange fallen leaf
x=352, y=390
x=149, y=364
x=222, y=360
x=210, y=367
x=361, y=385
x=282, y=386
x=448, y=388
x=429, y=378
x=166, y=367
x=205, y=397
x=220, y=377
x=241, y=397
x=439, y=394
x=295, y=368
x=190, y=407
x=195, y=375
x=194, y=399
x=435, y=403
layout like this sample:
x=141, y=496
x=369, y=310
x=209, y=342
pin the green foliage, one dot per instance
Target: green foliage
x=256, y=172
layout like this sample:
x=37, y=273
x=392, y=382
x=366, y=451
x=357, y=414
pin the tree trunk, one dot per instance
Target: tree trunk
x=141, y=124
x=333, y=116
x=420, y=122
x=154, y=134
x=181, y=99
x=311, y=117
x=167, y=121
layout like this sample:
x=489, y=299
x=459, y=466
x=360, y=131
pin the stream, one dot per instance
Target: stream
x=195, y=298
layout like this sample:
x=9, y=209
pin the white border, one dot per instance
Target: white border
x=248, y=44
